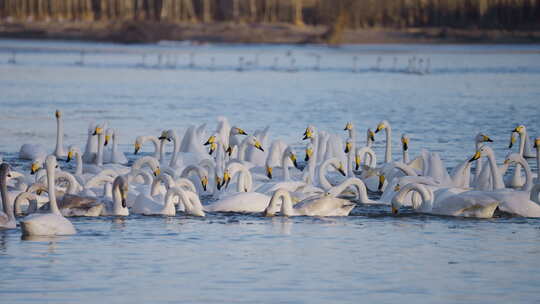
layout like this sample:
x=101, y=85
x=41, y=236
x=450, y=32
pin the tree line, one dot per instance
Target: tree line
x=486, y=14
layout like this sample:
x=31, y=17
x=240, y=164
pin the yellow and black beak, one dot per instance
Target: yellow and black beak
x=506, y=161
x=371, y=135
x=137, y=148
x=157, y=171
x=269, y=172
x=486, y=139
x=536, y=144
x=512, y=141
x=107, y=139
x=213, y=147
x=258, y=145
x=34, y=168
x=69, y=156
x=293, y=159
x=229, y=151
x=340, y=169
x=308, y=134
x=397, y=188
x=226, y=178
x=211, y=140
x=380, y=127
x=357, y=162
x=394, y=210
x=309, y=153
x=97, y=131
x=348, y=147
x=381, y=182
x=204, y=182
x=405, y=143
x=58, y=114
x=476, y=156
x=218, y=182
x=348, y=126
x=124, y=198
x=241, y=132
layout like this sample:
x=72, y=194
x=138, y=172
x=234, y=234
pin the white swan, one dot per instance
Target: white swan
x=358, y=185
x=141, y=140
x=513, y=202
x=525, y=148
x=326, y=205
x=158, y=207
x=90, y=150
x=385, y=125
x=32, y=152
x=7, y=218
x=466, y=204
x=118, y=204
x=114, y=155
x=146, y=202
x=52, y=223
x=59, y=151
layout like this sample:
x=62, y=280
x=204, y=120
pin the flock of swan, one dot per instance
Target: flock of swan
x=232, y=171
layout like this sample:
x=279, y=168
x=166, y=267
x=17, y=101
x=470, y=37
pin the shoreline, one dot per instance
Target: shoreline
x=151, y=32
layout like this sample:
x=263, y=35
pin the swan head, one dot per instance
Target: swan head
x=309, y=133
x=72, y=151
x=123, y=185
x=5, y=171
x=269, y=172
x=204, y=182
x=519, y=129
x=226, y=178
x=219, y=183
x=309, y=152
x=481, y=138
x=482, y=151
x=213, y=147
x=35, y=166
x=381, y=182
x=238, y=131
x=537, y=143
x=211, y=140
x=157, y=171
x=513, y=139
x=381, y=126
x=348, y=126
x=108, y=134
x=165, y=136
x=357, y=162
x=98, y=130
x=252, y=140
x=51, y=163
x=229, y=151
x=292, y=157
x=58, y=114
x=370, y=135
x=405, y=142
x=348, y=145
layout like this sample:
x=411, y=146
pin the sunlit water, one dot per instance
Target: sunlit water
x=370, y=257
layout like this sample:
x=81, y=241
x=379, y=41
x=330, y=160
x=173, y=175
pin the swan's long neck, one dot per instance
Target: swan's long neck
x=538, y=164
x=285, y=166
x=59, y=151
x=242, y=150
x=117, y=198
x=528, y=175
x=316, y=148
x=461, y=174
x=478, y=162
x=350, y=160
x=522, y=140
x=427, y=199
x=99, y=159
x=8, y=207
x=171, y=193
x=388, y=152
x=495, y=176
x=79, y=165
x=405, y=156
x=358, y=184
x=174, y=158
x=323, y=169
x=51, y=190
x=284, y=197
x=114, y=145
